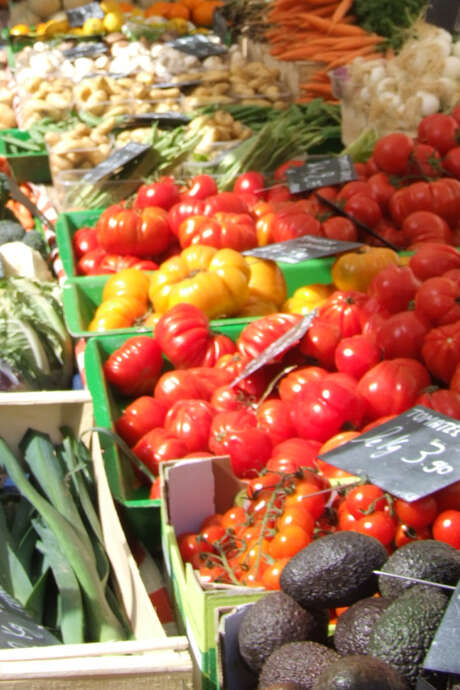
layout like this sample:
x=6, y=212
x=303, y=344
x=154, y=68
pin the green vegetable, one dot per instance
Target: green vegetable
x=33, y=336
x=361, y=149
x=388, y=18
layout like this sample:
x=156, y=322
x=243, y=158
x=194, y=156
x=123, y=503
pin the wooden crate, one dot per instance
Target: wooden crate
x=151, y=660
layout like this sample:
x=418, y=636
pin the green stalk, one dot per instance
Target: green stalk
x=102, y=622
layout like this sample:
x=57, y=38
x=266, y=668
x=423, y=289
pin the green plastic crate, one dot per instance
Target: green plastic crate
x=141, y=513
x=82, y=295
x=29, y=166
x=66, y=226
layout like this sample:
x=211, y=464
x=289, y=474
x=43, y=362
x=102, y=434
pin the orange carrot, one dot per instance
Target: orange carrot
x=328, y=26
x=341, y=10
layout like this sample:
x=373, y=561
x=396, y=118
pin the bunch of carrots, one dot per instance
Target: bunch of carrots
x=321, y=31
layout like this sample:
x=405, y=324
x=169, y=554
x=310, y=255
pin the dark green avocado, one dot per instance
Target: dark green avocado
x=426, y=559
x=354, y=626
x=336, y=570
x=405, y=630
x=270, y=622
x=359, y=672
x=296, y=662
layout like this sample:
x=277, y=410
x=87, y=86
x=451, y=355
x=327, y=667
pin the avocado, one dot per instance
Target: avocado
x=335, y=570
x=405, y=630
x=354, y=626
x=359, y=672
x=270, y=622
x=426, y=559
x=296, y=662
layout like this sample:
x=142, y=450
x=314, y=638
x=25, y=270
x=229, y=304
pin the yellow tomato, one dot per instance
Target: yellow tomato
x=113, y=21
x=355, y=270
x=130, y=282
x=54, y=27
x=307, y=297
x=117, y=312
x=151, y=320
x=258, y=306
x=19, y=30
x=109, y=6
x=266, y=281
x=216, y=281
x=92, y=26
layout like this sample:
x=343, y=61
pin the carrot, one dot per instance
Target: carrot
x=366, y=52
x=341, y=10
x=328, y=26
x=314, y=87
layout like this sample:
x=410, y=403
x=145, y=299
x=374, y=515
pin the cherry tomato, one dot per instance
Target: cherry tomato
x=416, y=514
x=288, y=541
x=296, y=515
x=200, y=187
x=365, y=499
x=190, y=545
x=271, y=575
x=307, y=498
x=378, y=525
x=234, y=517
x=391, y=153
x=405, y=534
x=446, y=528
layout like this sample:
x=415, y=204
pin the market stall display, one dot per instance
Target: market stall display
x=235, y=228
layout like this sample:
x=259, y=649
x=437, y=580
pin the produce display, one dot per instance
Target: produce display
x=237, y=225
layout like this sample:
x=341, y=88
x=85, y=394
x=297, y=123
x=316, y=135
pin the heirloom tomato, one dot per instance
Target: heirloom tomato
x=141, y=233
x=158, y=445
x=227, y=202
x=218, y=346
x=364, y=209
x=292, y=454
x=441, y=351
x=439, y=130
x=142, y=415
x=293, y=383
x=402, y=334
x=425, y=226
x=134, y=367
x=433, y=259
x=197, y=382
x=343, y=309
x=130, y=282
x=440, y=196
x=183, y=334
x=357, y=354
x=339, y=228
x=84, y=240
x=164, y=193
x=234, y=230
x=88, y=264
x=394, y=287
x=438, y=300
x=113, y=263
x=293, y=222
x=320, y=341
x=190, y=421
x=266, y=280
x=307, y=298
x=200, y=187
x=182, y=210
x=391, y=153
x=116, y=312
x=451, y=162
x=259, y=334
x=355, y=270
x=273, y=417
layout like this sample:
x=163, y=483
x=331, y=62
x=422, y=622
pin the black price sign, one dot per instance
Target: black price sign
x=79, y=15
x=85, y=50
x=301, y=249
x=443, y=653
x=220, y=25
x=411, y=456
x=18, y=629
x=165, y=119
x=320, y=173
x=117, y=160
x=199, y=45
x=444, y=13
x=280, y=345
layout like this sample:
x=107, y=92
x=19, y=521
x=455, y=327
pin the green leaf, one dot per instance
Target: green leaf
x=36, y=601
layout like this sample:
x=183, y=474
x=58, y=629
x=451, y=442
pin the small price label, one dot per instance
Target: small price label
x=79, y=15
x=443, y=653
x=444, y=13
x=117, y=160
x=199, y=45
x=301, y=249
x=281, y=344
x=320, y=173
x=85, y=50
x=411, y=456
x=166, y=119
x=18, y=629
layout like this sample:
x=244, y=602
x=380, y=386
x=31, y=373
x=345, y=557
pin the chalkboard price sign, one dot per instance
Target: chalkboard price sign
x=301, y=249
x=199, y=45
x=411, y=456
x=117, y=160
x=281, y=344
x=79, y=15
x=444, y=13
x=18, y=629
x=320, y=173
x=443, y=653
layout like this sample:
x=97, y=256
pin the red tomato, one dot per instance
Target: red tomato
x=288, y=541
x=356, y=355
x=218, y=346
x=274, y=418
x=189, y=545
x=142, y=415
x=349, y=189
x=320, y=342
x=292, y=222
x=324, y=406
x=365, y=500
x=182, y=210
x=405, y=534
x=416, y=514
x=292, y=454
x=163, y=194
x=440, y=196
x=347, y=521
x=279, y=193
x=378, y=525
x=291, y=384
x=141, y=233
x=158, y=445
x=425, y=161
x=236, y=434
x=88, y=264
x=424, y=226
x=441, y=350
x=402, y=334
x=227, y=202
x=112, y=263
x=344, y=309
x=84, y=240
x=253, y=385
x=391, y=153
x=451, y=162
x=364, y=209
x=190, y=421
x=446, y=528
x=439, y=130
x=200, y=187
x=306, y=496
x=271, y=575
x=252, y=182
x=394, y=287
x=449, y=497
x=183, y=334
x=259, y=334
x=330, y=471
x=392, y=386
x=134, y=367
x=438, y=300
x=296, y=516
x=434, y=259
x=280, y=172
x=198, y=382
x=340, y=228
x=381, y=189
x=224, y=230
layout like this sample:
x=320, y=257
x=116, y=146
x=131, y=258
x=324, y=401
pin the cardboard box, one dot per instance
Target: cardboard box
x=193, y=490
x=151, y=660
